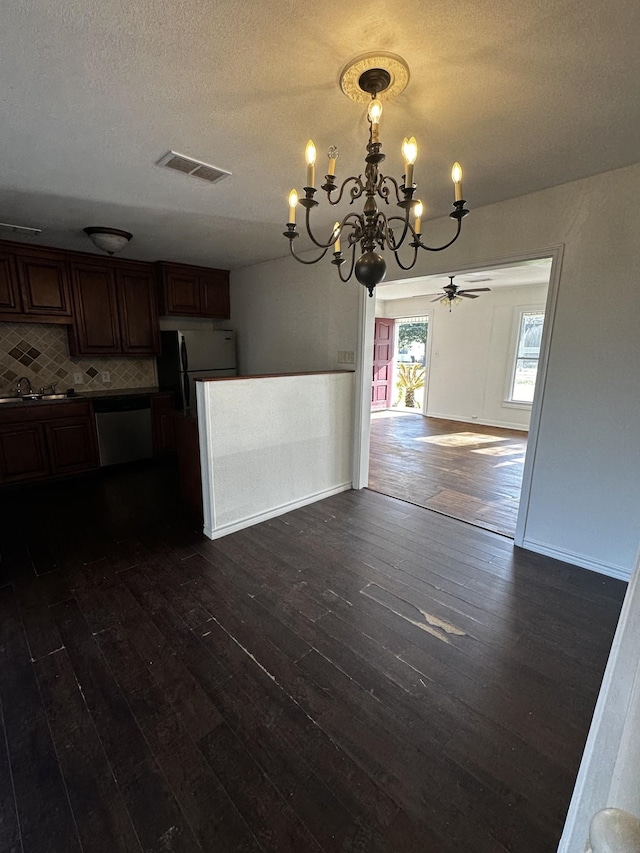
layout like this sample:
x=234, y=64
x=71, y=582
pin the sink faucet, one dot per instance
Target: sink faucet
x=19, y=389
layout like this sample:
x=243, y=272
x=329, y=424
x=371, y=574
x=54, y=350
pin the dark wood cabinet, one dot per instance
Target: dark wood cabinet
x=188, y=452
x=10, y=302
x=163, y=425
x=22, y=452
x=115, y=310
x=214, y=290
x=95, y=329
x=34, y=285
x=41, y=440
x=44, y=284
x=111, y=305
x=72, y=445
x=190, y=291
x=138, y=310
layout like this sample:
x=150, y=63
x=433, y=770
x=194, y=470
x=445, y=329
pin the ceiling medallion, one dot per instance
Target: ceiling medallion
x=395, y=66
x=370, y=79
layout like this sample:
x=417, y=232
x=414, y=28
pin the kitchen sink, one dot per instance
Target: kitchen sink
x=35, y=398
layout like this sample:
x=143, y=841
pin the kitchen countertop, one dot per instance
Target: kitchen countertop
x=87, y=395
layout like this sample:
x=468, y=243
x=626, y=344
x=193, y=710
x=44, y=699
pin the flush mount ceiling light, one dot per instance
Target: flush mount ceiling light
x=109, y=240
x=371, y=79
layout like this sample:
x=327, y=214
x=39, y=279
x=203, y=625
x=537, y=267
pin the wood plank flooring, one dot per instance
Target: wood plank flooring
x=467, y=471
x=358, y=675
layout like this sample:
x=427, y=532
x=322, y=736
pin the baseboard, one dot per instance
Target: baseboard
x=580, y=560
x=481, y=421
x=249, y=521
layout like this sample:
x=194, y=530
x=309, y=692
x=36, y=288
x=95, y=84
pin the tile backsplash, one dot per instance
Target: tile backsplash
x=41, y=353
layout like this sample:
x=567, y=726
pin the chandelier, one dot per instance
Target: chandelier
x=373, y=231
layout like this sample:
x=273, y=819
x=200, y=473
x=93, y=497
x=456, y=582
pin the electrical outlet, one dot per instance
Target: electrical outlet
x=78, y=378
x=106, y=376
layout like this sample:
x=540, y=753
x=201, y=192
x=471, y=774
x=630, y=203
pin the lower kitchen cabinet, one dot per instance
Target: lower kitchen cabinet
x=41, y=440
x=22, y=453
x=162, y=425
x=71, y=443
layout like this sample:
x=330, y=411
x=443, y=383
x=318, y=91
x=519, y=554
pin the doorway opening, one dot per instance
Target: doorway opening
x=410, y=364
x=459, y=447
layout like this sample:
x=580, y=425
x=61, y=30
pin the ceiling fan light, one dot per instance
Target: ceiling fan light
x=109, y=240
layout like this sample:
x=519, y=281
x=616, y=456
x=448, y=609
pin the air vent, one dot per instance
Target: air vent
x=194, y=168
x=22, y=230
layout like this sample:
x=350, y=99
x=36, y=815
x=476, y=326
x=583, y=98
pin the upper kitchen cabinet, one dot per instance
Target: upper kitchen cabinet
x=138, y=310
x=10, y=302
x=95, y=329
x=34, y=285
x=189, y=291
x=44, y=284
x=115, y=309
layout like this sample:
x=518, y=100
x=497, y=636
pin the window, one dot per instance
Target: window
x=527, y=355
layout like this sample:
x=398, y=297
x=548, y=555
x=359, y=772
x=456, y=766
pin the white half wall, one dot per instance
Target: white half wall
x=271, y=444
x=470, y=352
x=608, y=775
x=585, y=487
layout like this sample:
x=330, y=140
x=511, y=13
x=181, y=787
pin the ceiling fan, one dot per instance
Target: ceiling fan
x=451, y=293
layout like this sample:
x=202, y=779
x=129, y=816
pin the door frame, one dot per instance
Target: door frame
x=364, y=361
x=429, y=314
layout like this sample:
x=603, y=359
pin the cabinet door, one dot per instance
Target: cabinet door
x=162, y=424
x=182, y=293
x=22, y=453
x=95, y=329
x=215, y=294
x=45, y=285
x=72, y=445
x=9, y=288
x=138, y=309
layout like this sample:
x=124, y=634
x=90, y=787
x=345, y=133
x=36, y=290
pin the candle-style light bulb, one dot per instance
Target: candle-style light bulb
x=456, y=177
x=374, y=112
x=310, y=157
x=293, y=203
x=418, y=210
x=333, y=156
x=336, y=234
x=409, y=154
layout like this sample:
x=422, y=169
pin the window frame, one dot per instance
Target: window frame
x=518, y=313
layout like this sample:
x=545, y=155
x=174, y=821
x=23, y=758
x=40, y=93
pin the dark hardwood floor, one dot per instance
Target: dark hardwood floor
x=467, y=471
x=358, y=675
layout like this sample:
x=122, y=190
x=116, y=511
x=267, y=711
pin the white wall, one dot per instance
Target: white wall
x=292, y=318
x=271, y=444
x=608, y=775
x=585, y=491
x=470, y=353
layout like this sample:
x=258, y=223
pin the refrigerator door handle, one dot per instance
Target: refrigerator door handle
x=186, y=390
x=183, y=355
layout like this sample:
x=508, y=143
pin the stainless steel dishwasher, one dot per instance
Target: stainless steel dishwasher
x=123, y=425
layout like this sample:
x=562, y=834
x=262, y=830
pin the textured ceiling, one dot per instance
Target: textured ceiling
x=526, y=96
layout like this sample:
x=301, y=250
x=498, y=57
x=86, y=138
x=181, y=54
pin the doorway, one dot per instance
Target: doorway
x=463, y=451
x=400, y=349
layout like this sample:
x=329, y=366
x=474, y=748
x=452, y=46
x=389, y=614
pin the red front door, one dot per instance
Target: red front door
x=382, y=363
